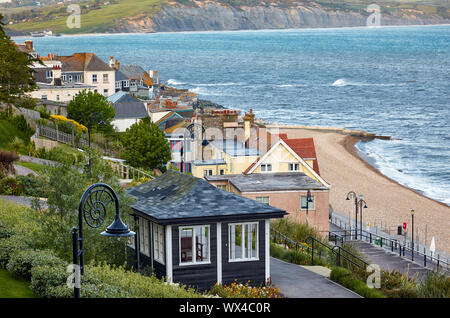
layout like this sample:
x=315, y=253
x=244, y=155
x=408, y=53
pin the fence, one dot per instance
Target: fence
x=404, y=249
x=129, y=172
x=71, y=139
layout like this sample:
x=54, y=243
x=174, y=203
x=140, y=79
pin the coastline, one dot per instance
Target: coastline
x=349, y=143
x=388, y=201
x=239, y=31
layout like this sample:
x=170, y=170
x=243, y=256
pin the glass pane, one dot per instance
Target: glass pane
x=253, y=240
x=238, y=240
x=186, y=244
x=201, y=241
x=246, y=247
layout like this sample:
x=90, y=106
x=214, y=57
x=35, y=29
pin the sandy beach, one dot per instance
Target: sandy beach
x=387, y=201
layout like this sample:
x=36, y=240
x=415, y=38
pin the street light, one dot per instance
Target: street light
x=352, y=195
x=412, y=234
x=308, y=201
x=361, y=201
x=94, y=117
x=191, y=130
x=92, y=209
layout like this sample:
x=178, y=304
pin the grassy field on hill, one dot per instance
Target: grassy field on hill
x=92, y=19
x=96, y=17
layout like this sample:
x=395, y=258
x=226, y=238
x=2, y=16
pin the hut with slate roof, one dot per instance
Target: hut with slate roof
x=196, y=234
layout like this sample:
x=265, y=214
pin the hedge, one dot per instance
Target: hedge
x=345, y=278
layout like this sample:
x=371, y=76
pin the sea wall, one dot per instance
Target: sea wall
x=211, y=16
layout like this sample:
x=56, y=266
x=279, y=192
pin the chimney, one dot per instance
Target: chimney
x=29, y=45
x=249, y=119
x=117, y=67
x=56, y=72
x=111, y=62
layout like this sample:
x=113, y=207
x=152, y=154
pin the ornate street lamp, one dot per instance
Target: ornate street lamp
x=95, y=117
x=191, y=131
x=361, y=201
x=308, y=201
x=352, y=195
x=412, y=234
x=92, y=209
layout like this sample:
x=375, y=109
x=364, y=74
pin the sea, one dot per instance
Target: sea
x=391, y=81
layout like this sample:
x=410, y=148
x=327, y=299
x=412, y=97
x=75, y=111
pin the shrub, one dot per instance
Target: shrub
x=293, y=256
x=32, y=186
x=345, y=278
x=10, y=186
x=236, y=290
x=435, y=285
x=8, y=246
x=397, y=285
x=298, y=232
x=7, y=159
x=21, y=262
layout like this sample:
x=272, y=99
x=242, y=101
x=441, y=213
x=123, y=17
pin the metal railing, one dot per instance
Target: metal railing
x=393, y=245
x=319, y=249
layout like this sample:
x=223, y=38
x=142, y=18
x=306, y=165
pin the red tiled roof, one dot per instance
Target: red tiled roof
x=304, y=147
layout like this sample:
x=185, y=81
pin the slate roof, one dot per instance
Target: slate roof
x=80, y=62
x=235, y=148
x=120, y=76
x=135, y=72
x=177, y=198
x=283, y=181
x=127, y=106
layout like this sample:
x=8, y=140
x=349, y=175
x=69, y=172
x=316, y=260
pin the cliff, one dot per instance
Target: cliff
x=213, y=15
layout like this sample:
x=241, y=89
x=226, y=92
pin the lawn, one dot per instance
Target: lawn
x=12, y=287
x=33, y=166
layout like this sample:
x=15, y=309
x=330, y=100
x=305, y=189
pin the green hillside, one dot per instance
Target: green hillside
x=100, y=16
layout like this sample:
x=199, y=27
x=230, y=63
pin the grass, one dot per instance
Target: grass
x=98, y=20
x=33, y=166
x=12, y=287
x=7, y=134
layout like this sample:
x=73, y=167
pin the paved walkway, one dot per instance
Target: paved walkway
x=22, y=200
x=24, y=171
x=391, y=261
x=295, y=281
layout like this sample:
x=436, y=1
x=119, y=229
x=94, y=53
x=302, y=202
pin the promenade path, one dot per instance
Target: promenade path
x=22, y=200
x=295, y=281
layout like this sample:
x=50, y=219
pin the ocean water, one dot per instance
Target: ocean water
x=390, y=81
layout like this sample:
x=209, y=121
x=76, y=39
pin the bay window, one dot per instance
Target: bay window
x=243, y=241
x=194, y=244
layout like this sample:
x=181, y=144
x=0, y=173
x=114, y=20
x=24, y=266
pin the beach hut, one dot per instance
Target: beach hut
x=196, y=234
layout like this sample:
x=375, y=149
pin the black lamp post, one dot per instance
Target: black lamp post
x=412, y=235
x=92, y=209
x=308, y=200
x=190, y=129
x=98, y=118
x=361, y=201
x=352, y=195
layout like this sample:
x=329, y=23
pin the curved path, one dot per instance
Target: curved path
x=295, y=281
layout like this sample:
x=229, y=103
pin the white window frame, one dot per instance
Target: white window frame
x=49, y=74
x=293, y=166
x=260, y=199
x=223, y=187
x=194, y=251
x=94, y=78
x=311, y=206
x=207, y=172
x=144, y=239
x=230, y=243
x=266, y=166
x=158, y=243
x=126, y=84
x=118, y=84
x=106, y=78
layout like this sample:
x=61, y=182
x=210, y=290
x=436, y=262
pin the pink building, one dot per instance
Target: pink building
x=286, y=191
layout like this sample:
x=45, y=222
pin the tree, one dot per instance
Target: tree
x=145, y=145
x=16, y=74
x=85, y=103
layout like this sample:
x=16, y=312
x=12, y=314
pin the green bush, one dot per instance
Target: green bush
x=293, y=256
x=32, y=186
x=298, y=232
x=345, y=278
x=435, y=285
x=8, y=246
x=21, y=262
